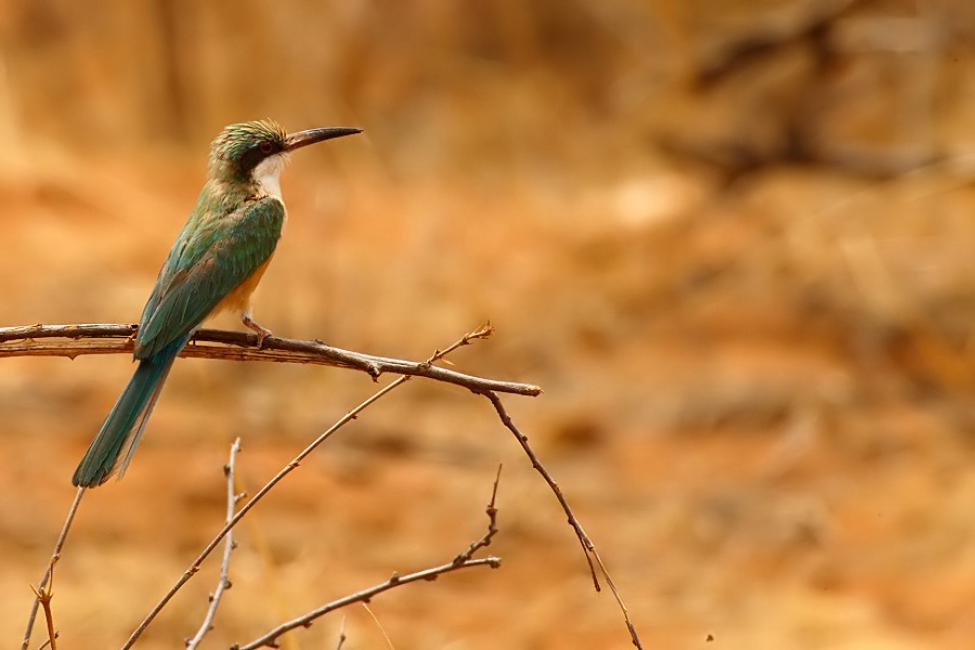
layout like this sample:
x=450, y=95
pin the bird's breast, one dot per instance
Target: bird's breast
x=239, y=299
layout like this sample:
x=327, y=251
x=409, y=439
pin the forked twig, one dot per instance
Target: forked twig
x=49, y=572
x=480, y=333
x=589, y=549
x=44, y=596
x=463, y=561
x=223, y=582
x=102, y=339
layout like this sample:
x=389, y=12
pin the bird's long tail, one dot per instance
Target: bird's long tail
x=126, y=421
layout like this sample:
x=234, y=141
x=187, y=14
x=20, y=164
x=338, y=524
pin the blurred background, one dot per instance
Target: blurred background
x=732, y=240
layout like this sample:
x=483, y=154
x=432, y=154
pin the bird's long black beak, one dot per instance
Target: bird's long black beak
x=311, y=136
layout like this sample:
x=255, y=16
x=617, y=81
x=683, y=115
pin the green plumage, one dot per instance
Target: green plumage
x=231, y=232
x=128, y=416
x=212, y=256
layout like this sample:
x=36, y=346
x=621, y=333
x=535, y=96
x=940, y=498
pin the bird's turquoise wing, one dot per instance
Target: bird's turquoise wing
x=211, y=257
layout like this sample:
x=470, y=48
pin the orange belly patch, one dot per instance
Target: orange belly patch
x=239, y=299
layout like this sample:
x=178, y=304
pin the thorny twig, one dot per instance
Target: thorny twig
x=49, y=572
x=492, y=528
x=463, y=561
x=44, y=596
x=119, y=339
x=223, y=582
x=480, y=333
x=268, y=640
x=75, y=340
x=587, y=545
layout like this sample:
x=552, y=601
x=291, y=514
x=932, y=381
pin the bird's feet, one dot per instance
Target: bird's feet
x=262, y=333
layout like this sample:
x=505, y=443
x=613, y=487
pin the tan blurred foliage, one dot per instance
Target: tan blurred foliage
x=731, y=239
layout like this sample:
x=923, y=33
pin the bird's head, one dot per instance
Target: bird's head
x=250, y=150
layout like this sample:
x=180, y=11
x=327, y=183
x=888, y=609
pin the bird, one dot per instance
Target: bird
x=214, y=266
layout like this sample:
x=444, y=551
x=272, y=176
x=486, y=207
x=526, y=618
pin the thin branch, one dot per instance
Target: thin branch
x=379, y=625
x=587, y=545
x=106, y=339
x=463, y=561
x=482, y=332
x=75, y=340
x=338, y=646
x=46, y=578
x=223, y=582
x=269, y=639
x=492, y=529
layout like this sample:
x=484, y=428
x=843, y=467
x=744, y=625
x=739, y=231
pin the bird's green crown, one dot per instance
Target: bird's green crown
x=241, y=147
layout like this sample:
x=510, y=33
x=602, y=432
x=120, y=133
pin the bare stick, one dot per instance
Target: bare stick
x=75, y=340
x=341, y=642
x=492, y=528
x=223, y=582
x=50, y=568
x=463, y=561
x=587, y=545
x=379, y=625
x=269, y=639
x=480, y=333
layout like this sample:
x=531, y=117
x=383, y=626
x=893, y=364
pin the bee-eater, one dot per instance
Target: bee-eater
x=215, y=265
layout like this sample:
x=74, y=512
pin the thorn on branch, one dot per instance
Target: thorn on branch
x=463, y=561
x=588, y=548
x=73, y=340
x=47, y=580
x=224, y=582
x=341, y=358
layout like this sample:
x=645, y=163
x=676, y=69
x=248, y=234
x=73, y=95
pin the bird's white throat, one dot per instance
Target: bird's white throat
x=267, y=175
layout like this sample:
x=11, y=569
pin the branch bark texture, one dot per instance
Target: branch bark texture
x=75, y=340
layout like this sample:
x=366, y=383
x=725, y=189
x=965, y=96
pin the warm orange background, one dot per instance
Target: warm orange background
x=732, y=240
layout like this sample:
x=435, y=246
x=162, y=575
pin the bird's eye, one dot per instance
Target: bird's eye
x=266, y=147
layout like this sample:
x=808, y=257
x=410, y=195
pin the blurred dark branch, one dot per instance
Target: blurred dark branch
x=769, y=40
x=734, y=160
x=223, y=582
x=465, y=560
x=172, y=76
x=234, y=346
x=796, y=118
